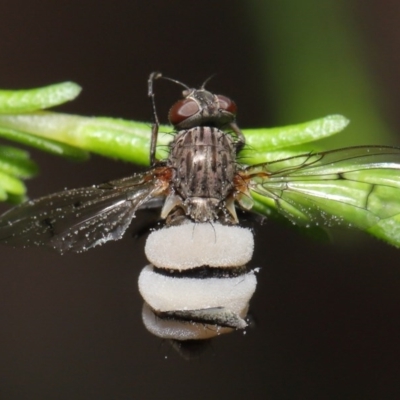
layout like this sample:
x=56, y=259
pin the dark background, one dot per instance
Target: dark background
x=326, y=316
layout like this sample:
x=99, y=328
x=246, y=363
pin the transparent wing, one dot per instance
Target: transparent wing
x=359, y=186
x=79, y=219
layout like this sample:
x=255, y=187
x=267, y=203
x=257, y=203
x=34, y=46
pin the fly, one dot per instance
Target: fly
x=199, y=186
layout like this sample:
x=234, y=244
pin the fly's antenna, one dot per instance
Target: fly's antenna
x=207, y=80
x=175, y=81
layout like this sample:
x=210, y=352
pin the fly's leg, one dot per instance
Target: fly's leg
x=240, y=139
x=156, y=124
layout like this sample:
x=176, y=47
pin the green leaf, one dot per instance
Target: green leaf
x=3, y=194
x=12, y=164
x=12, y=185
x=48, y=145
x=260, y=143
x=388, y=230
x=15, y=163
x=110, y=137
x=21, y=101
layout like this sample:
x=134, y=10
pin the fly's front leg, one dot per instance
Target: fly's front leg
x=156, y=124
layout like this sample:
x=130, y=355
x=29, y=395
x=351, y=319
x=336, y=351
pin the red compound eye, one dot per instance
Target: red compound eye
x=227, y=104
x=182, y=110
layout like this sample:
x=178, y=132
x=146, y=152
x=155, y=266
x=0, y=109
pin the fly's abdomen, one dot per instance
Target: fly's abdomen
x=204, y=161
x=203, y=291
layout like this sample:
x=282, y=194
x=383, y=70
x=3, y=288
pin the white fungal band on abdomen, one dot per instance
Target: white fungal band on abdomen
x=200, y=287
x=165, y=293
x=203, y=244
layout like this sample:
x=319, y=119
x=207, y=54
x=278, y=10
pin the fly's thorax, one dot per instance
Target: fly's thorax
x=203, y=209
x=203, y=159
